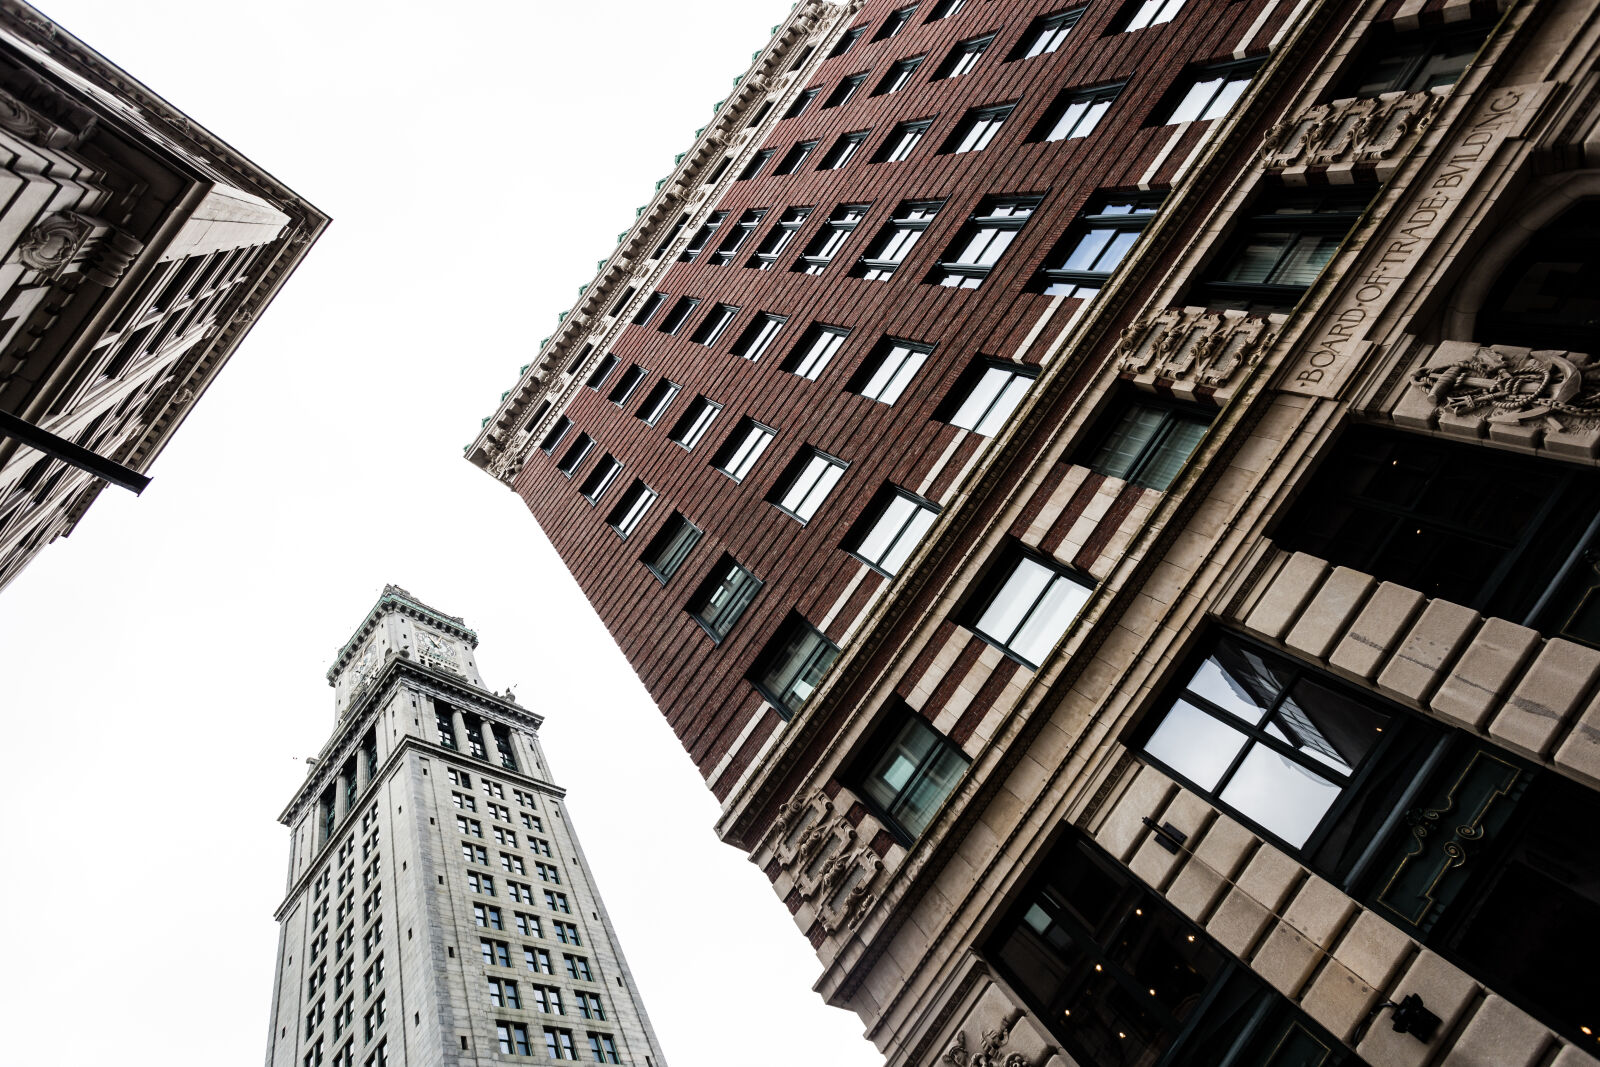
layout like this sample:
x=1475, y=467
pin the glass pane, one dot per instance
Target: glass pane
x=821, y=486
x=1194, y=102
x=1231, y=91
x=1112, y=255
x=1179, y=444
x=901, y=377
x=1134, y=432
x=983, y=394
x=883, y=533
x=1280, y=794
x=1015, y=390
x=1237, y=681
x=936, y=782
x=1196, y=745
x=1329, y=726
x=1307, y=256
x=1253, y=263
x=895, y=767
x=1050, y=619
x=1088, y=249
x=1068, y=120
x=908, y=540
x=1016, y=597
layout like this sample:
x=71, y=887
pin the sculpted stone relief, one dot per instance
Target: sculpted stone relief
x=991, y=1050
x=1193, y=345
x=1349, y=131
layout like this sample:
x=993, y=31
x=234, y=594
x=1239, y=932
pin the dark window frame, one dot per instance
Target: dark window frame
x=727, y=615
x=893, y=720
x=668, y=535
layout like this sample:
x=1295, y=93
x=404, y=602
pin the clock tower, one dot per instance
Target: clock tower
x=439, y=908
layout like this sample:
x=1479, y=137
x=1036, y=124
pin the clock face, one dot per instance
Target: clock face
x=436, y=647
x=361, y=670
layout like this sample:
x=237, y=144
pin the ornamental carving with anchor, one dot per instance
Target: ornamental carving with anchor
x=1512, y=386
x=988, y=1054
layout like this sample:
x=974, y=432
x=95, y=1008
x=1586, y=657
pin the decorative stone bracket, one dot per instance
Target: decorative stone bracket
x=801, y=816
x=1367, y=130
x=66, y=240
x=1191, y=347
x=845, y=888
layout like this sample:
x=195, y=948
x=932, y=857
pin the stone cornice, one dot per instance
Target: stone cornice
x=506, y=438
x=399, y=602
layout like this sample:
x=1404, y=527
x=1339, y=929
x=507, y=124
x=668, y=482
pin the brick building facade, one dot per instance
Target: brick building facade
x=1103, y=494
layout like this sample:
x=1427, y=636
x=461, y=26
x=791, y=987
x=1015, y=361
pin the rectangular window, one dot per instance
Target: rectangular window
x=578, y=967
x=793, y=665
x=538, y=960
x=1047, y=33
x=1076, y=113
x=825, y=245
x=602, y=1047
x=495, y=953
x=558, y=1044
x=843, y=149
x=944, y=9
x=796, y=156
x=987, y=395
x=806, y=483
x=977, y=129
x=897, y=21
x=657, y=401
x=743, y=447
x=702, y=236
x=810, y=357
x=602, y=371
x=513, y=1036
x=964, y=56
x=741, y=232
x=981, y=242
x=1280, y=246
x=844, y=90
x=898, y=236
x=648, y=309
x=890, y=368
x=901, y=140
x=671, y=546
x=713, y=324
x=1504, y=534
x=674, y=320
x=557, y=432
x=757, y=161
x=1097, y=242
x=803, y=101
x=758, y=336
x=605, y=472
x=1148, y=442
x=1141, y=13
x=899, y=76
x=630, y=510
x=1027, y=605
x=1412, y=62
x=723, y=597
x=672, y=235
x=907, y=771
x=891, y=529
x=575, y=454
x=778, y=238
x=626, y=385
x=693, y=423
x=1210, y=92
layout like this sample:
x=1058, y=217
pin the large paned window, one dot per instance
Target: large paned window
x=1097, y=243
x=1499, y=532
x=757, y=161
x=602, y=370
x=825, y=245
x=978, y=128
x=986, y=396
x=795, y=157
x=1411, y=62
x=693, y=423
x=557, y=432
x=982, y=241
x=964, y=56
x=803, y=101
x=674, y=320
x=807, y=483
x=631, y=509
x=1208, y=93
x=626, y=385
x=739, y=453
x=778, y=238
x=671, y=546
x=810, y=357
x=890, y=368
x=1147, y=441
x=1026, y=604
x=891, y=530
x=723, y=597
x=897, y=21
x=1280, y=246
x=648, y=309
x=1047, y=33
x=907, y=771
x=1123, y=980
x=793, y=665
x=1076, y=113
x=895, y=241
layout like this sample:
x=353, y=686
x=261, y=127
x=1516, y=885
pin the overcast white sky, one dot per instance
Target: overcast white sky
x=164, y=665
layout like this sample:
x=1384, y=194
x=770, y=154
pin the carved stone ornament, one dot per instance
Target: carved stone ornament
x=798, y=823
x=53, y=243
x=29, y=124
x=1512, y=385
x=991, y=1052
x=1193, y=345
x=1349, y=131
x=845, y=888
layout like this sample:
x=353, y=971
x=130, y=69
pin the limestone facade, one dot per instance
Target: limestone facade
x=439, y=909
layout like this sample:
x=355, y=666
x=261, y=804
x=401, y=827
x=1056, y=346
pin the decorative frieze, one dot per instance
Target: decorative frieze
x=1526, y=398
x=1365, y=130
x=991, y=1050
x=1191, y=346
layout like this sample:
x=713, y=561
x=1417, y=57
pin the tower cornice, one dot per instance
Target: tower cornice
x=396, y=600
